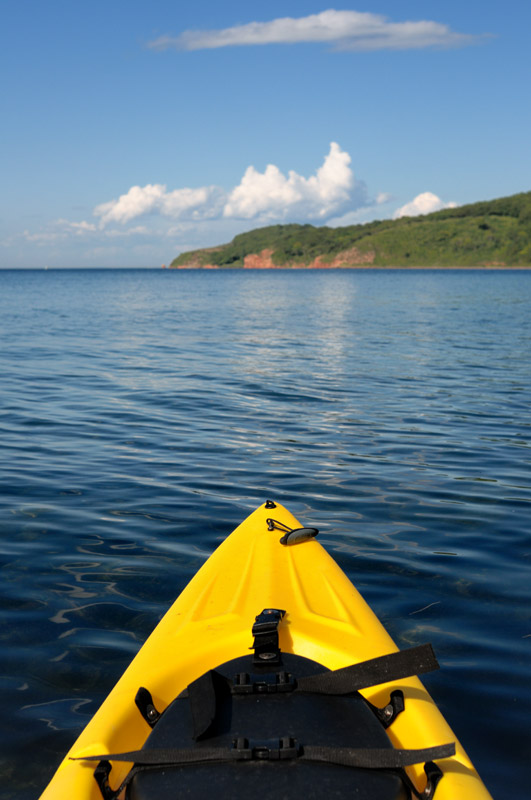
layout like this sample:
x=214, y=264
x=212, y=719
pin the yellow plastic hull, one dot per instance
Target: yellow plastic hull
x=327, y=620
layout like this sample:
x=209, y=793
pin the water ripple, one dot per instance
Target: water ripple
x=144, y=414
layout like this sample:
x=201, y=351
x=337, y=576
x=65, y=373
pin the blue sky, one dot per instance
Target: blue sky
x=133, y=130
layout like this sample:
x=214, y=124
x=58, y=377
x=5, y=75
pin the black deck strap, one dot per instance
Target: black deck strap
x=361, y=758
x=364, y=758
x=166, y=756
x=391, y=667
x=376, y=758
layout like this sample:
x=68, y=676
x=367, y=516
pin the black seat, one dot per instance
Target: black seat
x=261, y=718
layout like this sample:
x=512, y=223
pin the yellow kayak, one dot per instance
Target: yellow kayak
x=269, y=674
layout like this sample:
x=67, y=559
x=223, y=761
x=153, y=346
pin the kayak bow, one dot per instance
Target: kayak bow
x=272, y=601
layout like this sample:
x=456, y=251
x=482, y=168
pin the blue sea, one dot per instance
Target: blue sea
x=145, y=413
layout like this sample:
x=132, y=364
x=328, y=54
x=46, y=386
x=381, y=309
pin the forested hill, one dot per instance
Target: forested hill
x=492, y=233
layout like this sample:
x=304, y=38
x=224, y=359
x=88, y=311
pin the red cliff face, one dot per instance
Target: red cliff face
x=261, y=260
x=348, y=258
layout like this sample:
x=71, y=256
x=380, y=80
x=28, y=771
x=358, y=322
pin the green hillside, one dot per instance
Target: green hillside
x=491, y=233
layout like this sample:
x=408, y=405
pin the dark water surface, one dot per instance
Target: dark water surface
x=145, y=413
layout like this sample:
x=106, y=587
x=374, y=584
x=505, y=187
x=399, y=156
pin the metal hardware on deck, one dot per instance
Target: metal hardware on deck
x=268, y=683
x=265, y=632
x=269, y=750
x=299, y=535
x=144, y=703
x=434, y=775
x=390, y=712
x=291, y=535
x=101, y=776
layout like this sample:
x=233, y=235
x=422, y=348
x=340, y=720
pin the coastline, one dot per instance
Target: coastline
x=486, y=267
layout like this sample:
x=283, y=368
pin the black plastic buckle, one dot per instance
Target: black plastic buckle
x=267, y=620
x=265, y=632
x=269, y=683
x=267, y=750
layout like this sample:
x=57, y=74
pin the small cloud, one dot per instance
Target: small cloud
x=348, y=30
x=79, y=228
x=60, y=230
x=424, y=203
x=44, y=237
x=138, y=230
x=154, y=198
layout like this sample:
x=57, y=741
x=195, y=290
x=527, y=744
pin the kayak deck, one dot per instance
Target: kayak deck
x=326, y=621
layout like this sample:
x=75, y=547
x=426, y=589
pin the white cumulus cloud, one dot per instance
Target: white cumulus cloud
x=154, y=198
x=272, y=195
x=424, y=203
x=352, y=30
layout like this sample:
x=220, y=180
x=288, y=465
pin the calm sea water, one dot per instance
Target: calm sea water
x=145, y=413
